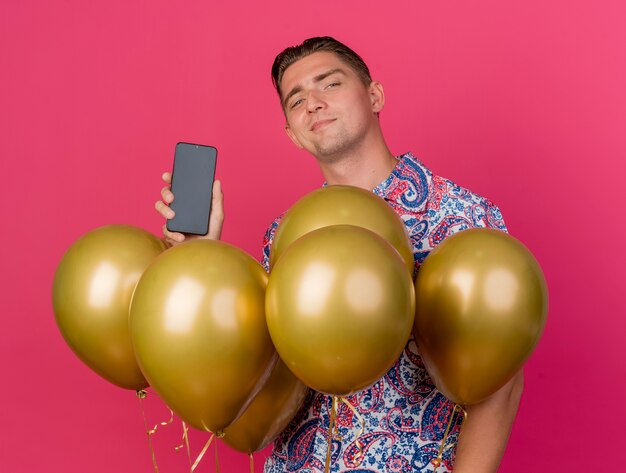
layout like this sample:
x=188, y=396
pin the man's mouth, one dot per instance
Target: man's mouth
x=321, y=123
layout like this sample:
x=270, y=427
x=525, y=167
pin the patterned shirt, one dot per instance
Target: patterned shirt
x=405, y=416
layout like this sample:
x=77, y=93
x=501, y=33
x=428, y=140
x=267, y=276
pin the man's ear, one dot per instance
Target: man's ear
x=377, y=96
x=292, y=136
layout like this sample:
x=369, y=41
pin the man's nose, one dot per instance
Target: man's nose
x=314, y=102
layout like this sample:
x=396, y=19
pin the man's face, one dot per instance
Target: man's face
x=328, y=109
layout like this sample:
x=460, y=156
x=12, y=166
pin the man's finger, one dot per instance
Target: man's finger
x=164, y=210
x=173, y=237
x=167, y=195
x=216, y=220
x=217, y=205
x=217, y=190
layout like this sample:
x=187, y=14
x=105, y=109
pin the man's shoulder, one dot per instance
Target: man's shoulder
x=443, y=201
x=455, y=205
x=414, y=168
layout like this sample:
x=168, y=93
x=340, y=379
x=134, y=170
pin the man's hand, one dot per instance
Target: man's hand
x=216, y=220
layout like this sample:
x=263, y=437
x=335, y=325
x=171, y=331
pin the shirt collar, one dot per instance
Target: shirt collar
x=394, y=188
x=407, y=185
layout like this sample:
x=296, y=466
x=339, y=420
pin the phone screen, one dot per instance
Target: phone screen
x=192, y=186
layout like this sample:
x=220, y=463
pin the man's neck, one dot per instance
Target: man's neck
x=365, y=168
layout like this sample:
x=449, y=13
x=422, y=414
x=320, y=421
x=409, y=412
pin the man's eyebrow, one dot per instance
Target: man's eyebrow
x=297, y=89
x=324, y=75
x=318, y=78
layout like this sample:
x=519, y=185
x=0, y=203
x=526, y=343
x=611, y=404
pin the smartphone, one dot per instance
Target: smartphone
x=192, y=186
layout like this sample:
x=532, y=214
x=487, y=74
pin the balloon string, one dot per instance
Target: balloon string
x=331, y=425
x=154, y=429
x=141, y=395
x=217, y=461
x=463, y=421
x=356, y=414
x=251, y=463
x=185, y=443
x=361, y=430
x=436, y=462
x=202, y=452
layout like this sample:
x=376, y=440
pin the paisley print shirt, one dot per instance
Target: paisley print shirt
x=405, y=416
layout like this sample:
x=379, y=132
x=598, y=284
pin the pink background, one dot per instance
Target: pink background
x=524, y=102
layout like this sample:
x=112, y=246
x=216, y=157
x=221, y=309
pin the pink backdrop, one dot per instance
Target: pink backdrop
x=524, y=102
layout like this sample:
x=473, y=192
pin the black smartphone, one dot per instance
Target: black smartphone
x=192, y=186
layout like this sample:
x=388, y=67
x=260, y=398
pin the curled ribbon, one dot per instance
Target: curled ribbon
x=185, y=443
x=331, y=425
x=436, y=462
x=361, y=430
x=141, y=395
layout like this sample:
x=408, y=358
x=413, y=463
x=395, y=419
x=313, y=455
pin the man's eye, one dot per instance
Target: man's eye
x=333, y=84
x=296, y=103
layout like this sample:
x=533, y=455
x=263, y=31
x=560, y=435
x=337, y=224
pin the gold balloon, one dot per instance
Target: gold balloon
x=197, y=323
x=269, y=413
x=342, y=205
x=481, y=307
x=340, y=306
x=91, y=295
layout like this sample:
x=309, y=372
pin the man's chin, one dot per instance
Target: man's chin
x=330, y=151
x=328, y=156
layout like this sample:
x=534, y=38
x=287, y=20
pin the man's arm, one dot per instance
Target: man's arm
x=485, y=432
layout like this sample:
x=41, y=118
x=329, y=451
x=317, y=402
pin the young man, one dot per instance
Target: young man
x=331, y=107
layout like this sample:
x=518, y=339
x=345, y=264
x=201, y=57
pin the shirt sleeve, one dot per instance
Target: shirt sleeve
x=267, y=243
x=485, y=214
x=460, y=209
